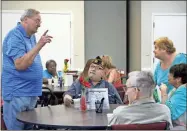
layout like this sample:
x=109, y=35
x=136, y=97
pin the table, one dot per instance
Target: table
x=48, y=90
x=54, y=89
x=60, y=116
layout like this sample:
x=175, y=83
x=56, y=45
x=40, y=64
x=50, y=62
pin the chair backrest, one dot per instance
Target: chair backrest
x=52, y=99
x=123, y=76
x=3, y=126
x=150, y=126
x=120, y=90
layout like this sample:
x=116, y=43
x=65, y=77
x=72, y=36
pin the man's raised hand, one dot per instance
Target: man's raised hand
x=45, y=38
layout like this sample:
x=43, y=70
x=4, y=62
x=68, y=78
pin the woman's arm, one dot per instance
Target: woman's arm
x=164, y=94
x=112, y=76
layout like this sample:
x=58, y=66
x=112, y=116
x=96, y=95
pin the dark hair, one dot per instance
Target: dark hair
x=48, y=62
x=179, y=70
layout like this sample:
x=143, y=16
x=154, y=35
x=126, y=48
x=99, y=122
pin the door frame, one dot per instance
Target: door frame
x=152, y=31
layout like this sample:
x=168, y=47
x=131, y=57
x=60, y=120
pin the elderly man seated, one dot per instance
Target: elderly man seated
x=142, y=109
x=95, y=75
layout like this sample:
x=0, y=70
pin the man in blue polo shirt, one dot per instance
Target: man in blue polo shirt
x=22, y=68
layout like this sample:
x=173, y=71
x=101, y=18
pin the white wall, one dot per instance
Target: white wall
x=147, y=8
x=77, y=9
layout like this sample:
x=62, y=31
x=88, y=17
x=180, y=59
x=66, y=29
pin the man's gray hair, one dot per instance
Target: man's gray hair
x=29, y=13
x=142, y=80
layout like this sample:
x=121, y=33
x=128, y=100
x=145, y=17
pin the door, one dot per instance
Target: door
x=172, y=26
x=59, y=26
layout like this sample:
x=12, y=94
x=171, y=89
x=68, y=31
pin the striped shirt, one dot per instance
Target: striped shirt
x=15, y=82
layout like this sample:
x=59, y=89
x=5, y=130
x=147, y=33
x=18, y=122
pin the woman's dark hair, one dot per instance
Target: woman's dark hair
x=48, y=62
x=179, y=70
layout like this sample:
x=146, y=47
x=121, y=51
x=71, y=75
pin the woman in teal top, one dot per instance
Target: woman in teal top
x=166, y=53
x=50, y=71
x=161, y=75
x=176, y=101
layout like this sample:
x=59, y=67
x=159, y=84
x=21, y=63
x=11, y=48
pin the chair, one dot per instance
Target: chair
x=3, y=126
x=45, y=100
x=50, y=98
x=150, y=126
x=120, y=90
x=123, y=76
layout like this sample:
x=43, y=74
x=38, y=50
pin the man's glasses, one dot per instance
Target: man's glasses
x=38, y=21
x=135, y=87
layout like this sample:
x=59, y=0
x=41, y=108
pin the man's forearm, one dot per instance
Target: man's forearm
x=25, y=61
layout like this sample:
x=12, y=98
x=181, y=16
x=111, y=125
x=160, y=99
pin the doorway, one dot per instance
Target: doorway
x=172, y=26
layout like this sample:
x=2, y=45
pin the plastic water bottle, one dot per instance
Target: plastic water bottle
x=60, y=79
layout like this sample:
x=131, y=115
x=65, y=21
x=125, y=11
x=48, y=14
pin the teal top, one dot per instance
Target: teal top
x=161, y=76
x=177, y=102
x=47, y=75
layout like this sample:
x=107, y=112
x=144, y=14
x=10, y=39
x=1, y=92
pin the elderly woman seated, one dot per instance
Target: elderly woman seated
x=142, y=108
x=50, y=71
x=176, y=100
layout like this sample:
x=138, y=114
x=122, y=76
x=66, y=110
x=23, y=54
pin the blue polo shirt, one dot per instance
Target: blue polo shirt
x=15, y=82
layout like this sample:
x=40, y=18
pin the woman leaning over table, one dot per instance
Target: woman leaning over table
x=176, y=101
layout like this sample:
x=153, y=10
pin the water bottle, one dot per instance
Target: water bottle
x=60, y=79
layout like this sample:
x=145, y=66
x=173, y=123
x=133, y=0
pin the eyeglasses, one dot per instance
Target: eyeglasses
x=135, y=87
x=130, y=86
x=38, y=21
x=96, y=67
